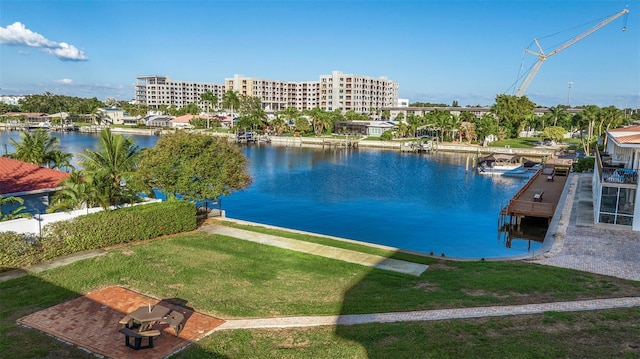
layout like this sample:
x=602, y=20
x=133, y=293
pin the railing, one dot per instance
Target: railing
x=615, y=174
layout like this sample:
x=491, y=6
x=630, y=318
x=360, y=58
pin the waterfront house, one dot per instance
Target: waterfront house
x=158, y=121
x=365, y=128
x=34, y=184
x=117, y=116
x=615, y=182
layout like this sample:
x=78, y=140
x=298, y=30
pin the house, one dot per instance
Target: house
x=157, y=121
x=185, y=120
x=365, y=128
x=34, y=184
x=615, y=180
x=117, y=116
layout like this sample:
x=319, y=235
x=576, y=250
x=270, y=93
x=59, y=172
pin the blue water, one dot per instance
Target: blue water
x=424, y=203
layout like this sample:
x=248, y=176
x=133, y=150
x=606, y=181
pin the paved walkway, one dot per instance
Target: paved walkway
x=346, y=255
x=429, y=315
x=577, y=244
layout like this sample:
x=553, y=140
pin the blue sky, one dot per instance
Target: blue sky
x=439, y=51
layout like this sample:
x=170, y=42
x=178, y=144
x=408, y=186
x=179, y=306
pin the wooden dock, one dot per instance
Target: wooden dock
x=540, y=196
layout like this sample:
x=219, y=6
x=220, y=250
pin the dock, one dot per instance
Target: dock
x=539, y=197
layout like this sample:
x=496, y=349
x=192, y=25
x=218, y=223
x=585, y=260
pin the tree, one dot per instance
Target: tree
x=16, y=206
x=230, y=101
x=319, y=119
x=111, y=166
x=79, y=192
x=558, y=113
x=195, y=167
x=512, y=113
x=278, y=124
x=586, y=122
x=555, y=133
x=290, y=114
x=210, y=100
x=486, y=126
x=38, y=148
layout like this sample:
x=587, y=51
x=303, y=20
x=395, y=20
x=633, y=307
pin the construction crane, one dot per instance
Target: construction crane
x=542, y=56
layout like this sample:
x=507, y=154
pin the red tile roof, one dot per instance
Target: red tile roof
x=634, y=139
x=626, y=129
x=17, y=177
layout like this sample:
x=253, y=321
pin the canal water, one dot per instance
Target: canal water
x=425, y=203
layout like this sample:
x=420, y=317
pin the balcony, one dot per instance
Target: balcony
x=614, y=172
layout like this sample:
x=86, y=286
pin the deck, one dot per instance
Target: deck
x=526, y=203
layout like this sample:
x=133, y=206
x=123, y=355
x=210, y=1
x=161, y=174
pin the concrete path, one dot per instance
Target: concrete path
x=577, y=244
x=58, y=262
x=429, y=315
x=346, y=255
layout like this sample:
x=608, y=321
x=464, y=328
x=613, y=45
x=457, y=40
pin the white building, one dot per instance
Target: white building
x=362, y=94
x=157, y=91
x=615, y=180
x=11, y=99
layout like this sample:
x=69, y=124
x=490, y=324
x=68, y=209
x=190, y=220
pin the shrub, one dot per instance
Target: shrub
x=17, y=250
x=584, y=164
x=386, y=136
x=128, y=224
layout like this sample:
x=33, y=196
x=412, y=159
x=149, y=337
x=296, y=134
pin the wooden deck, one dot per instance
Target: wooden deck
x=526, y=204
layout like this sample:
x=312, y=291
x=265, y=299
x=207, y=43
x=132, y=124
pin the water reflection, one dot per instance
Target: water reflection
x=425, y=203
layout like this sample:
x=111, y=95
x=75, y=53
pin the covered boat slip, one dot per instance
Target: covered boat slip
x=539, y=197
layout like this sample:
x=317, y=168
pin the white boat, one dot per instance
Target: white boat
x=498, y=163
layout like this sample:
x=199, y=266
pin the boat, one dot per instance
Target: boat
x=498, y=163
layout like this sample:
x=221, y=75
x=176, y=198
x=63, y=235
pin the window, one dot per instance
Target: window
x=617, y=205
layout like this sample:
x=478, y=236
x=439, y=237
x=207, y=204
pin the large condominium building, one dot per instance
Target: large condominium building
x=157, y=91
x=334, y=91
x=358, y=93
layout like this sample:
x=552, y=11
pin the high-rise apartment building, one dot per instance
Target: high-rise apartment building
x=358, y=93
x=157, y=91
x=335, y=91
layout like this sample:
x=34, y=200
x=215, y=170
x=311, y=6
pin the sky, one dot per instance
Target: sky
x=438, y=51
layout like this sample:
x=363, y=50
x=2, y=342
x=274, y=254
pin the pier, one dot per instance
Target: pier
x=540, y=195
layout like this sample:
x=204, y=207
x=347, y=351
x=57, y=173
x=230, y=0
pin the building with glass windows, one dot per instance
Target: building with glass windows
x=615, y=182
x=347, y=92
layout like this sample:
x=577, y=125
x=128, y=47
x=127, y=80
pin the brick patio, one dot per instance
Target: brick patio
x=91, y=322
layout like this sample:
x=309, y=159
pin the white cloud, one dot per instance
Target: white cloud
x=67, y=52
x=18, y=35
x=65, y=81
x=23, y=52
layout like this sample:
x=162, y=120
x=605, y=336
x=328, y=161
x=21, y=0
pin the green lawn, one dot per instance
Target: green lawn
x=229, y=278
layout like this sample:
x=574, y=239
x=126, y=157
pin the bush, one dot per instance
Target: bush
x=96, y=230
x=386, y=136
x=128, y=224
x=584, y=164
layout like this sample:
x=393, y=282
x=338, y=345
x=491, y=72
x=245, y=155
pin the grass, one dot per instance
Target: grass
x=230, y=278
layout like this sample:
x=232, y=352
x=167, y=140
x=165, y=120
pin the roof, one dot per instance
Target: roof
x=186, y=118
x=626, y=135
x=20, y=177
x=183, y=118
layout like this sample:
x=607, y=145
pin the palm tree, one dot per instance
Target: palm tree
x=16, y=212
x=230, y=101
x=39, y=148
x=557, y=112
x=290, y=114
x=112, y=165
x=588, y=116
x=319, y=119
x=210, y=100
x=79, y=192
x=278, y=124
x=61, y=160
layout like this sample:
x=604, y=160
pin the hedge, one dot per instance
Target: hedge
x=98, y=230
